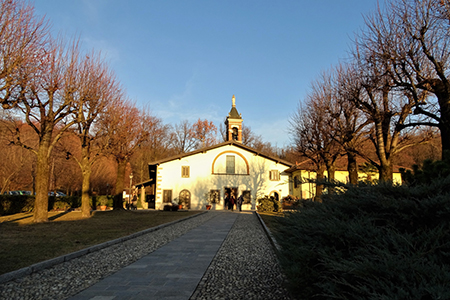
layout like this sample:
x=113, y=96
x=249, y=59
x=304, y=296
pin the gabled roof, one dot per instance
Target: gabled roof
x=228, y=143
x=307, y=165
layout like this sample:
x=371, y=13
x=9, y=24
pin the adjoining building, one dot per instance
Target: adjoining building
x=303, y=174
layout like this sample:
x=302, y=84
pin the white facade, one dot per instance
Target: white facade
x=207, y=174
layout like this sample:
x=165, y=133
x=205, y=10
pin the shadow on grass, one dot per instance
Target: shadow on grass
x=17, y=219
x=52, y=218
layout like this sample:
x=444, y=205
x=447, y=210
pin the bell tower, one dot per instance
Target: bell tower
x=233, y=123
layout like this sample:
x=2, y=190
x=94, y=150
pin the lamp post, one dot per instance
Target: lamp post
x=129, y=196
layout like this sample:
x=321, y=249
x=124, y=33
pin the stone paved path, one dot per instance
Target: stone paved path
x=171, y=272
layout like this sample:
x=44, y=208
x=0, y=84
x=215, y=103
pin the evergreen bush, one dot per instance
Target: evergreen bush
x=106, y=200
x=372, y=242
x=427, y=173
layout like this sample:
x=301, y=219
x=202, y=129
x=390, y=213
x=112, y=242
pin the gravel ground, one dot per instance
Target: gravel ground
x=69, y=278
x=245, y=266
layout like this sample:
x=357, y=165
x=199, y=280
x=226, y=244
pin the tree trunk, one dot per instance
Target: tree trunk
x=42, y=180
x=352, y=168
x=443, y=94
x=86, y=186
x=385, y=172
x=385, y=168
x=319, y=187
x=331, y=170
x=445, y=139
x=118, y=197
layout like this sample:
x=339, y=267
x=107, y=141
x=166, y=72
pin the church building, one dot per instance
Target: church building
x=205, y=176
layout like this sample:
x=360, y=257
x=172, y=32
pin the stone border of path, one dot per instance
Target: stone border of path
x=272, y=239
x=63, y=258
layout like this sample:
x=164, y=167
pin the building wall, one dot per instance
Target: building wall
x=307, y=190
x=208, y=171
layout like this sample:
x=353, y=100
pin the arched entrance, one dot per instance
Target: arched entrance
x=276, y=195
x=230, y=191
x=185, y=198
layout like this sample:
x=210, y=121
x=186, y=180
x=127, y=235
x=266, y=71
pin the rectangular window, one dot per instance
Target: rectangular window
x=214, y=196
x=274, y=175
x=185, y=171
x=167, y=196
x=247, y=197
x=230, y=164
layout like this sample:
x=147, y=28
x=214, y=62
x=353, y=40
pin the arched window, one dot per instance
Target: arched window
x=185, y=199
x=235, y=134
x=230, y=162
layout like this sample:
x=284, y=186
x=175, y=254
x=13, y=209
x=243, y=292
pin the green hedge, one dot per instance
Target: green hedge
x=373, y=242
x=13, y=204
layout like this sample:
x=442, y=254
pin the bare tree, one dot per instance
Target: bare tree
x=127, y=127
x=97, y=88
x=411, y=37
x=17, y=162
x=321, y=102
x=351, y=124
x=38, y=79
x=157, y=146
x=23, y=38
x=250, y=138
x=47, y=107
x=385, y=106
x=184, y=137
x=204, y=132
x=311, y=127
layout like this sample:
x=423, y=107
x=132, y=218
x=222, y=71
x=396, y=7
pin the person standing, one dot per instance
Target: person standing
x=134, y=202
x=239, y=202
x=231, y=203
x=227, y=200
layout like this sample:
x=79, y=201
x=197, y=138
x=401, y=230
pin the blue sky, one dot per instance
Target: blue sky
x=185, y=59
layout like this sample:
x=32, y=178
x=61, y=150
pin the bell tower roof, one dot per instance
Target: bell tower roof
x=233, y=114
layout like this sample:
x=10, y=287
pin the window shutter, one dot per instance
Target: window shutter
x=274, y=175
x=185, y=171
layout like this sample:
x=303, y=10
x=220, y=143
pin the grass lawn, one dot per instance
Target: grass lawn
x=270, y=218
x=24, y=243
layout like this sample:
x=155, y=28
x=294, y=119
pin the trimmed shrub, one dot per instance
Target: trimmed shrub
x=373, y=242
x=268, y=204
x=63, y=203
x=13, y=204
